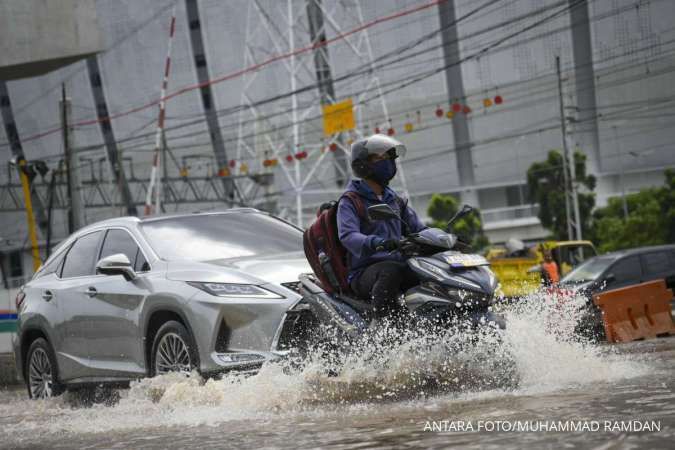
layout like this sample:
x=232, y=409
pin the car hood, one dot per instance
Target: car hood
x=279, y=268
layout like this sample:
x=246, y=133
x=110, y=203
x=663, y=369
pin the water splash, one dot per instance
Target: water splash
x=548, y=352
x=538, y=352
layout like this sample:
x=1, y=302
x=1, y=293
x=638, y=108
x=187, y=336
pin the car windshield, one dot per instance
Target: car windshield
x=221, y=236
x=589, y=270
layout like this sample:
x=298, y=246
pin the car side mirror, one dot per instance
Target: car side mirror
x=606, y=281
x=117, y=264
x=381, y=211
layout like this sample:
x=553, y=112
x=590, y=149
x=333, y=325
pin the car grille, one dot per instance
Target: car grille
x=223, y=338
x=295, y=330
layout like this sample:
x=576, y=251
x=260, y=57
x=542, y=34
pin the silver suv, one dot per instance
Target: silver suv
x=127, y=298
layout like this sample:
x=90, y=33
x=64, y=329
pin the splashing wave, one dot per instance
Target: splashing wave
x=538, y=352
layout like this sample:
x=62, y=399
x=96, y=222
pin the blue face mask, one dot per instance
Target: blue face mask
x=383, y=171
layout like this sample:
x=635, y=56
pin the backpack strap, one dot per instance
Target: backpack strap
x=402, y=204
x=358, y=203
x=403, y=207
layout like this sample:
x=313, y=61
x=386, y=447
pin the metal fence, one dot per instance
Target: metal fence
x=509, y=213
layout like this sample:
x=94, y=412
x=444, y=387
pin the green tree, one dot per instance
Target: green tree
x=546, y=182
x=650, y=221
x=443, y=207
x=667, y=202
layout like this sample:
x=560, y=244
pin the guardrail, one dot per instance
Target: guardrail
x=509, y=213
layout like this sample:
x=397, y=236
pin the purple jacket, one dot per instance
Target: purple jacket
x=360, y=236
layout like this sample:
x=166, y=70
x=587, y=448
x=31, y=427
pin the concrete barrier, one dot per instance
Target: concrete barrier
x=637, y=312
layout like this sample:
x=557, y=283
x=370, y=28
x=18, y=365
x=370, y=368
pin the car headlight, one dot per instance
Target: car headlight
x=235, y=290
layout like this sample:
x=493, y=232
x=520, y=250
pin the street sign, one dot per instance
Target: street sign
x=338, y=117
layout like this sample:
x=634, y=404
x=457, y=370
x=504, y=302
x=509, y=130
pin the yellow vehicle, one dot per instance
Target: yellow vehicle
x=520, y=275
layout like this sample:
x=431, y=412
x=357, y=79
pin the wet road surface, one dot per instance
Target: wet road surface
x=384, y=404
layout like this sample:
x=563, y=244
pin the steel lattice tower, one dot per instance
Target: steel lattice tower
x=299, y=31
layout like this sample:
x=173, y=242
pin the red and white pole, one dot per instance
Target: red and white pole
x=155, y=186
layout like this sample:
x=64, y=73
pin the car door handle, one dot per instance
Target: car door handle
x=47, y=295
x=91, y=292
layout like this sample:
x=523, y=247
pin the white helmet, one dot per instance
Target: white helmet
x=377, y=144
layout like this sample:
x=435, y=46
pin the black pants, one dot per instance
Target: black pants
x=382, y=283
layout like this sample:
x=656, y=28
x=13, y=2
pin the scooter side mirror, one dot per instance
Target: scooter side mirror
x=466, y=209
x=381, y=211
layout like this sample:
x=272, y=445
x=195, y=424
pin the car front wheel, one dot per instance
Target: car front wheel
x=41, y=373
x=173, y=350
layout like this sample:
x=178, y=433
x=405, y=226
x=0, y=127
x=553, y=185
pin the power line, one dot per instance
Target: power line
x=252, y=68
x=235, y=109
x=396, y=52
x=265, y=63
x=338, y=37
x=501, y=110
x=529, y=103
x=513, y=108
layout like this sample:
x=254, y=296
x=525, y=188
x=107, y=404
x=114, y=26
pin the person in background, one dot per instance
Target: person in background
x=549, y=270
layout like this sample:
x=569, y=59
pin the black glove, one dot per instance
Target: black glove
x=462, y=244
x=386, y=244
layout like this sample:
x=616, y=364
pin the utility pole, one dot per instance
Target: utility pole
x=317, y=36
x=50, y=208
x=76, y=210
x=455, y=87
x=621, y=180
x=569, y=169
x=582, y=49
x=574, y=193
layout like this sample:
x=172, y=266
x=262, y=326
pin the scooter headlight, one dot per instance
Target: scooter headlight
x=430, y=269
x=491, y=277
x=465, y=282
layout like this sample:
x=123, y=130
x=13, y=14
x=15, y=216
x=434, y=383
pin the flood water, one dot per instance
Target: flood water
x=517, y=388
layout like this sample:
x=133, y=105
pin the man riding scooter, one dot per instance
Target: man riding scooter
x=372, y=257
x=377, y=272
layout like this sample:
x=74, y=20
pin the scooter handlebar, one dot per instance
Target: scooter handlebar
x=390, y=245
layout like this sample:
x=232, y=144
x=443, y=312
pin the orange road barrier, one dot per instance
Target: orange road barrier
x=636, y=312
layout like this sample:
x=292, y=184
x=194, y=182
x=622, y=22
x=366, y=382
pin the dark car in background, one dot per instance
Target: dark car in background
x=617, y=270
